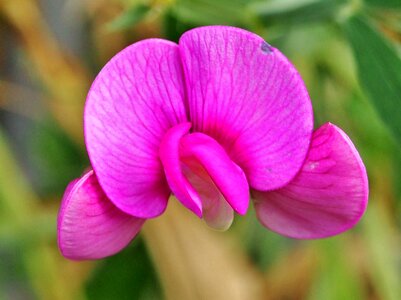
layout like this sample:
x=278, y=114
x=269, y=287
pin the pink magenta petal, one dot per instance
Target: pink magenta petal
x=183, y=154
x=249, y=97
x=170, y=157
x=229, y=179
x=327, y=197
x=134, y=100
x=217, y=213
x=89, y=225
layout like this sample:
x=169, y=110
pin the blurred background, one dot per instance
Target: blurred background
x=348, y=52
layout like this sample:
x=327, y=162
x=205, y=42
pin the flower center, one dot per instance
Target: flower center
x=203, y=177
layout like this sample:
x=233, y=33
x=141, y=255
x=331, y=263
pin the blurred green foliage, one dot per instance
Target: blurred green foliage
x=128, y=275
x=348, y=53
x=379, y=68
x=130, y=17
x=51, y=151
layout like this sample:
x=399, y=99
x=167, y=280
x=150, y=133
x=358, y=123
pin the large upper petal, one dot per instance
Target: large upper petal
x=135, y=98
x=327, y=197
x=248, y=96
x=89, y=225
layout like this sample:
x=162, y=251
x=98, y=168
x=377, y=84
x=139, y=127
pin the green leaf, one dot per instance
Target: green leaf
x=379, y=70
x=290, y=12
x=210, y=12
x=129, y=18
x=384, y=3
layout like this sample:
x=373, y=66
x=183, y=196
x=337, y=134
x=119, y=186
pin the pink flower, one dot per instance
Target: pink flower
x=211, y=120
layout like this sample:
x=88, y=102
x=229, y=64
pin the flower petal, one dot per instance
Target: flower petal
x=170, y=157
x=89, y=225
x=216, y=211
x=328, y=196
x=228, y=178
x=248, y=96
x=134, y=100
x=200, y=174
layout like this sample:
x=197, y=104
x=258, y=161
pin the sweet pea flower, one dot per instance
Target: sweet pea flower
x=218, y=117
